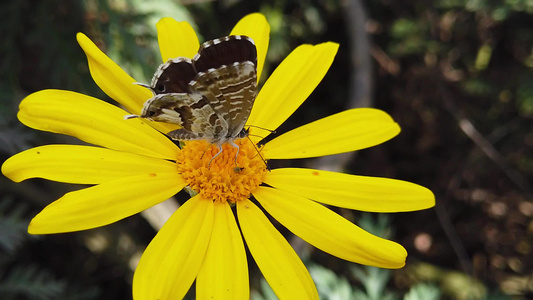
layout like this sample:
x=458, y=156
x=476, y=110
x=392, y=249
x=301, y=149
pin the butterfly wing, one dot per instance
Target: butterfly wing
x=191, y=111
x=173, y=76
x=231, y=91
x=210, y=96
x=227, y=77
x=225, y=51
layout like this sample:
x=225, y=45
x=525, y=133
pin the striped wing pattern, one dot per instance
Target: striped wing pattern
x=210, y=96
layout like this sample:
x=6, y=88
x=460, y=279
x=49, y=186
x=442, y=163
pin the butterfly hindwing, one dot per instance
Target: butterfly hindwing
x=187, y=110
x=225, y=51
x=231, y=91
x=173, y=76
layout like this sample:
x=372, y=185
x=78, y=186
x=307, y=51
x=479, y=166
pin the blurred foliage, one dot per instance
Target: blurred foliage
x=423, y=291
x=31, y=283
x=438, y=64
x=13, y=225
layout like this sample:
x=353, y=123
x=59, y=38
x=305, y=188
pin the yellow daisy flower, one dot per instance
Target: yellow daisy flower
x=136, y=167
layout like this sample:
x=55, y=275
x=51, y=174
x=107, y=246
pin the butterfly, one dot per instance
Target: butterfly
x=210, y=96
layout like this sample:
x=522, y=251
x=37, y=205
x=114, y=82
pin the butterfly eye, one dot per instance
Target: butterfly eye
x=160, y=88
x=151, y=113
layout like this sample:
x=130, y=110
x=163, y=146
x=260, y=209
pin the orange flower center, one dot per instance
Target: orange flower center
x=227, y=177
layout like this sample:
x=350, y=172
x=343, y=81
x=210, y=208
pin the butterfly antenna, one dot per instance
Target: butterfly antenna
x=262, y=128
x=259, y=153
x=257, y=135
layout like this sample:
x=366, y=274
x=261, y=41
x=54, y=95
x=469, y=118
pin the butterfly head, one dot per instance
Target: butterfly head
x=163, y=108
x=156, y=87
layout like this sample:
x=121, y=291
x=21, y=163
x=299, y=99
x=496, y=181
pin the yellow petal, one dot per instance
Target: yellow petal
x=80, y=164
x=170, y=263
x=256, y=27
x=347, y=131
x=328, y=231
x=224, y=272
x=116, y=83
x=106, y=203
x=93, y=121
x=112, y=79
x=176, y=39
x=290, y=84
x=349, y=191
x=281, y=266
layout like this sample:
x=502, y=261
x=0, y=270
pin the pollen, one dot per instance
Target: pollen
x=229, y=177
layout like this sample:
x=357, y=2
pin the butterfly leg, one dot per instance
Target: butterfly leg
x=237, y=169
x=236, y=154
x=218, y=153
x=205, y=151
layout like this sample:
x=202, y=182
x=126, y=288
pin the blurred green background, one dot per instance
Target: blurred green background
x=455, y=74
